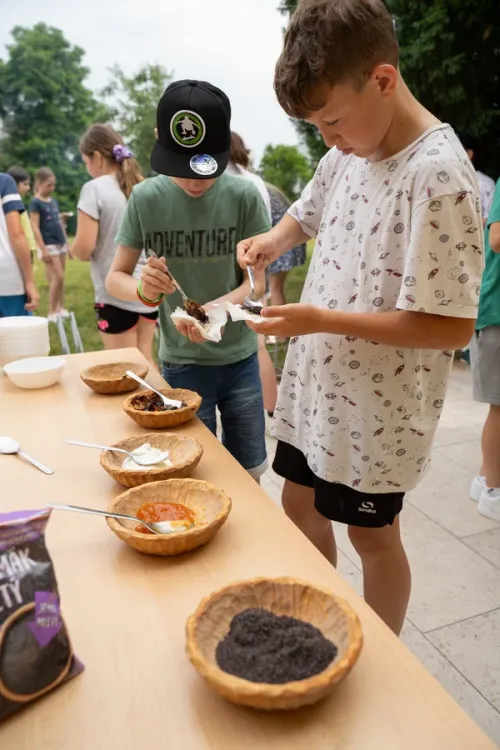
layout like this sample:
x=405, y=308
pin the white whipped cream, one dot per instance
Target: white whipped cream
x=149, y=451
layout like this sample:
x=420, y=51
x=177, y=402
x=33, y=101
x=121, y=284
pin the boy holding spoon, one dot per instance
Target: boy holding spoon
x=192, y=216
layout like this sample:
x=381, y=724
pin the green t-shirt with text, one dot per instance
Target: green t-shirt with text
x=489, y=300
x=198, y=238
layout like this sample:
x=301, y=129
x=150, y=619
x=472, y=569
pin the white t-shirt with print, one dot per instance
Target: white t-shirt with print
x=404, y=233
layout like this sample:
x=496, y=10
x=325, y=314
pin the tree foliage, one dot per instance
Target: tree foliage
x=450, y=59
x=287, y=168
x=134, y=100
x=45, y=107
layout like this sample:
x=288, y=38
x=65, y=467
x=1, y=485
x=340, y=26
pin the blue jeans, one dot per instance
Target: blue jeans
x=237, y=392
x=13, y=305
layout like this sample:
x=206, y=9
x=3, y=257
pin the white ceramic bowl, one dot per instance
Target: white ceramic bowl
x=38, y=372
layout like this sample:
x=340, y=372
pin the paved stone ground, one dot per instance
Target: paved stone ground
x=453, y=624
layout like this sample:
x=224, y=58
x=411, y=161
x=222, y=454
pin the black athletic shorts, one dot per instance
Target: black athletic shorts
x=337, y=501
x=111, y=319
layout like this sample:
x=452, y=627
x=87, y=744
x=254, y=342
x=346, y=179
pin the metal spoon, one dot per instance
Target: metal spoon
x=141, y=460
x=9, y=446
x=160, y=527
x=166, y=401
x=251, y=302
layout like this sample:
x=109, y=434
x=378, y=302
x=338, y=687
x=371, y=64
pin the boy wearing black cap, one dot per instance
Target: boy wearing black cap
x=193, y=215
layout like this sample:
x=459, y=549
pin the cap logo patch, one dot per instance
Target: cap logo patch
x=203, y=164
x=187, y=128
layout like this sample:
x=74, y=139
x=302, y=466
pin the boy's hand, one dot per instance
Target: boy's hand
x=290, y=320
x=190, y=331
x=257, y=251
x=155, y=279
x=32, y=295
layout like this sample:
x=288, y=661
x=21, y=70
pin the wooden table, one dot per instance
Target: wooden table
x=126, y=612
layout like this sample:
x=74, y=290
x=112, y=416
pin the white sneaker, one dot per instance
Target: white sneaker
x=477, y=488
x=53, y=317
x=489, y=504
x=64, y=313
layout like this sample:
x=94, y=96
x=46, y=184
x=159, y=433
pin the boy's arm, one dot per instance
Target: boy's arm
x=298, y=225
x=438, y=299
x=400, y=328
x=119, y=282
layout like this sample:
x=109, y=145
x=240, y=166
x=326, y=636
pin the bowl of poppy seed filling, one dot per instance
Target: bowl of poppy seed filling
x=273, y=643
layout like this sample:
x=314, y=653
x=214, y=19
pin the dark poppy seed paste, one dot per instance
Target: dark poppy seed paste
x=264, y=647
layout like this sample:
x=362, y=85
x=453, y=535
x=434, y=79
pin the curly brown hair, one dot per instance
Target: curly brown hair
x=330, y=42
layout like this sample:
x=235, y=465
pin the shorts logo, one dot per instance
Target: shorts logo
x=367, y=507
x=203, y=164
x=187, y=128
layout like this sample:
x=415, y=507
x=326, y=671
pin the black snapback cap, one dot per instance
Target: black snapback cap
x=193, y=119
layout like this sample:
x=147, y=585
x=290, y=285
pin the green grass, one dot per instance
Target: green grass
x=79, y=298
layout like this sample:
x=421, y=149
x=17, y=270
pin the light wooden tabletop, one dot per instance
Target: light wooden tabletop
x=126, y=612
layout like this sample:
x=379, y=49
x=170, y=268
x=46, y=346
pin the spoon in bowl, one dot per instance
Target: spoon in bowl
x=9, y=446
x=166, y=401
x=141, y=460
x=157, y=527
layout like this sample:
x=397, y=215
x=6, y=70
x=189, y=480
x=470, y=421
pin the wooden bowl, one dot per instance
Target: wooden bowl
x=284, y=596
x=159, y=420
x=185, y=454
x=111, y=378
x=211, y=506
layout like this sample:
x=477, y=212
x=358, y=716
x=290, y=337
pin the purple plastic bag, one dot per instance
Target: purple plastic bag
x=36, y=655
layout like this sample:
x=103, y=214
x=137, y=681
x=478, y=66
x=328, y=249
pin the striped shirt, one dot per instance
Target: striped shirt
x=11, y=279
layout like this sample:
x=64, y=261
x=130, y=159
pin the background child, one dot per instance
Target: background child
x=101, y=208
x=23, y=182
x=50, y=235
x=18, y=293
x=192, y=215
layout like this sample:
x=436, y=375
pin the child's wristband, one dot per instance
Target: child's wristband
x=145, y=300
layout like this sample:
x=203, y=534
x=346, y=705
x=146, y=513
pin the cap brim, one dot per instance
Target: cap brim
x=177, y=164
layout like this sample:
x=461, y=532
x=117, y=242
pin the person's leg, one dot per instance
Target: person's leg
x=145, y=332
x=201, y=379
x=276, y=287
x=299, y=496
x=242, y=415
x=267, y=377
x=386, y=571
x=55, y=283
x=485, y=355
x=490, y=443
x=298, y=504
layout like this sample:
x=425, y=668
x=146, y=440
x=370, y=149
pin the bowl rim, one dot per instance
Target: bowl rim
x=114, y=523
x=127, y=404
x=327, y=677
x=151, y=470
x=88, y=374
x=57, y=362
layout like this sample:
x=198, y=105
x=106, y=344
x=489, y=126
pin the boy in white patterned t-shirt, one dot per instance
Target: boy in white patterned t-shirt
x=392, y=289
